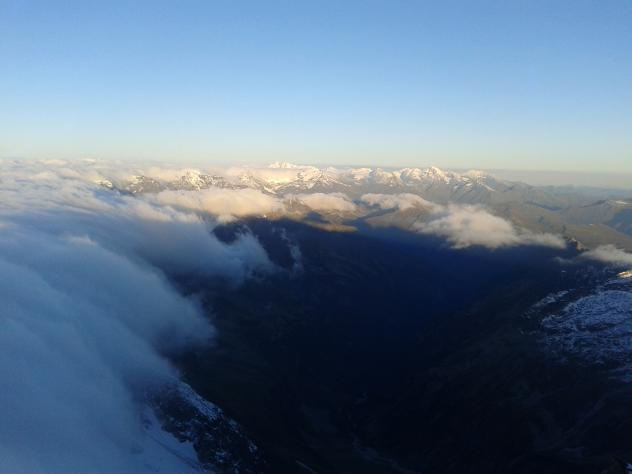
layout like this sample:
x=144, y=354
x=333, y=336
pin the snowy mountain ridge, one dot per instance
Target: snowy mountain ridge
x=282, y=177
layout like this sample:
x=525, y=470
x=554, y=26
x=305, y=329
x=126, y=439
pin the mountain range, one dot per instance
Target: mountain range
x=588, y=216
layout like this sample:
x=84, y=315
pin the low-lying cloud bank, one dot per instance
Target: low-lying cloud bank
x=89, y=316
x=464, y=226
x=83, y=335
x=325, y=202
x=401, y=201
x=224, y=203
x=609, y=254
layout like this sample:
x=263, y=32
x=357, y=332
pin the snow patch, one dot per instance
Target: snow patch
x=596, y=328
x=161, y=452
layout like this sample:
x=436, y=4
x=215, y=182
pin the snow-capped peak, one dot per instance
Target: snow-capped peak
x=437, y=174
x=411, y=174
x=358, y=174
x=284, y=177
x=284, y=165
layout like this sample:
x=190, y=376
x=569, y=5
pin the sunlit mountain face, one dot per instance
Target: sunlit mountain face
x=291, y=318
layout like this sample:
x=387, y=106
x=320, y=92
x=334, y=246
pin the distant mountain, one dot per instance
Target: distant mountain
x=188, y=181
x=431, y=183
x=574, y=214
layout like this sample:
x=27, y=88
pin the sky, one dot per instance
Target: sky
x=524, y=85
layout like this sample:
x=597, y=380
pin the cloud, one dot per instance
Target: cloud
x=338, y=202
x=225, y=203
x=465, y=225
x=83, y=334
x=401, y=201
x=90, y=316
x=609, y=254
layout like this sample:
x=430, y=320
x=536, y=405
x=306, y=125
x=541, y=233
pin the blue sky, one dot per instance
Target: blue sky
x=490, y=84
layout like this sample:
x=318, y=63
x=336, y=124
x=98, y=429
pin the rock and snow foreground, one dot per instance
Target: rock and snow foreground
x=185, y=433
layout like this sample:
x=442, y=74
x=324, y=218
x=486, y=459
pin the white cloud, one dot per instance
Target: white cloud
x=465, y=225
x=224, y=203
x=338, y=202
x=89, y=316
x=83, y=331
x=400, y=201
x=609, y=254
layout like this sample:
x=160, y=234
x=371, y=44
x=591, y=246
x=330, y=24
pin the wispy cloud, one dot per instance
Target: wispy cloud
x=401, y=201
x=338, y=202
x=610, y=254
x=466, y=225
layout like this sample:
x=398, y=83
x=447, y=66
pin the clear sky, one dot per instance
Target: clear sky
x=487, y=84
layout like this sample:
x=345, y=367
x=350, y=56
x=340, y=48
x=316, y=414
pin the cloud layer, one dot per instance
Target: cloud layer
x=83, y=334
x=89, y=316
x=225, y=203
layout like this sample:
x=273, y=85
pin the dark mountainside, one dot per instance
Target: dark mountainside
x=385, y=351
